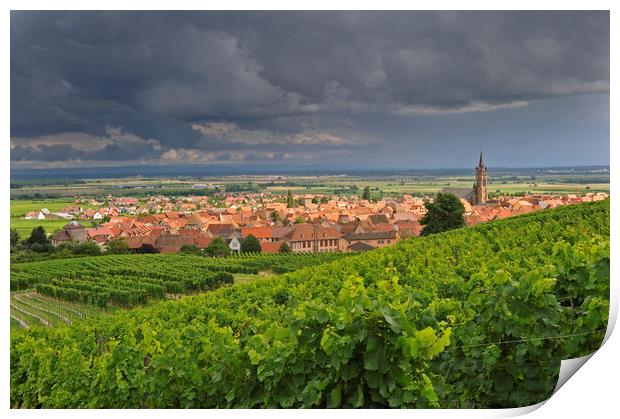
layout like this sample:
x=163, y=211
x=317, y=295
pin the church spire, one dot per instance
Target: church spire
x=480, y=186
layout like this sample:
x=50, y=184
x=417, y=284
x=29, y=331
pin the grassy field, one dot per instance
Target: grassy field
x=24, y=227
x=436, y=185
x=504, y=182
x=19, y=207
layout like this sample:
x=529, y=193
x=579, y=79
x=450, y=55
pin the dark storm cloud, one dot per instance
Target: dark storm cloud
x=66, y=152
x=294, y=80
x=56, y=152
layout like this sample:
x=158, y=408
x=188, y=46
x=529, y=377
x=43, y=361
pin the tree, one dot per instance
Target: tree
x=65, y=249
x=289, y=199
x=299, y=220
x=38, y=236
x=366, y=193
x=443, y=214
x=87, y=248
x=14, y=237
x=147, y=248
x=324, y=200
x=250, y=244
x=117, y=247
x=275, y=216
x=285, y=248
x=190, y=248
x=218, y=247
x=42, y=248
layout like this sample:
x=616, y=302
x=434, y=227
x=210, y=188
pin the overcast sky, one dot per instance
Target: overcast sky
x=365, y=90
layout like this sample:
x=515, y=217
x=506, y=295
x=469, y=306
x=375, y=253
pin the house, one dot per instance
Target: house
x=34, y=215
x=87, y=214
x=61, y=237
x=58, y=216
x=172, y=243
x=312, y=238
x=72, y=209
x=279, y=232
x=377, y=219
x=72, y=232
x=372, y=238
x=100, y=234
x=404, y=216
x=135, y=242
x=203, y=240
x=263, y=234
x=195, y=222
x=383, y=227
x=224, y=230
x=408, y=228
x=270, y=247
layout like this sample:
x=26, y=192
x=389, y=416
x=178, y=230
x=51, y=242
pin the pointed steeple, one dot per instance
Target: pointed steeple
x=480, y=163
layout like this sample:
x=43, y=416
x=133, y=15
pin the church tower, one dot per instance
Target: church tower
x=480, y=187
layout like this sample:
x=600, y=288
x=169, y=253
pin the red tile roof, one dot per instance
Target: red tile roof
x=270, y=247
x=258, y=232
x=202, y=241
x=101, y=232
x=172, y=243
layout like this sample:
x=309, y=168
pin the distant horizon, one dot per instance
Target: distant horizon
x=197, y=170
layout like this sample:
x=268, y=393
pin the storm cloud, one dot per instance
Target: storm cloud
x=107, y=87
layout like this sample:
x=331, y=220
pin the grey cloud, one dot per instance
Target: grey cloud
x=115, y=145
x=47, y=153
x=286, y=73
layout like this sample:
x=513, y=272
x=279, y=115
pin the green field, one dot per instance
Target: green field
x=19, y=207
x=24, y=227
x=436, y=185
x=505, y=181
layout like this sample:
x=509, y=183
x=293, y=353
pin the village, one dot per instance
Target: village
x=315, y=223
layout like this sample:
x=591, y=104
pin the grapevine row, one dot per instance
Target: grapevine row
x=475, y=317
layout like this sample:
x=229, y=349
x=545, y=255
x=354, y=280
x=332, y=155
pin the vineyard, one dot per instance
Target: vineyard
x=129, y=280
x=30, y=309
x=472, y=318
